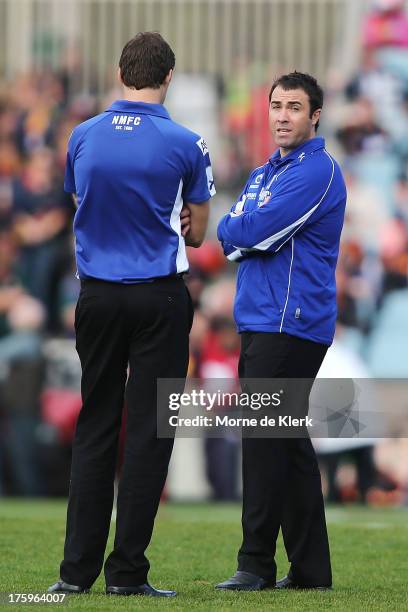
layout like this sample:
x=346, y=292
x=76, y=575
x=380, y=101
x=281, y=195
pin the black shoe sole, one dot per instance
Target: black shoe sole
x=245, y=588
x=303, y=588
x=123, y=592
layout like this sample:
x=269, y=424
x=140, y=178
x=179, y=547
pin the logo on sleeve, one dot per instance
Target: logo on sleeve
x=202, y=145
x=257, y=181
x=239, y=207
x=210, y=180
x=264, y=197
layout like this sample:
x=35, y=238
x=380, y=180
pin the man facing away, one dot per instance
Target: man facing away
x=285, y=232
x=142, y=185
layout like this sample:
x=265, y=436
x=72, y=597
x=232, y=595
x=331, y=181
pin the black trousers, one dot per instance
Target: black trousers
x=281, y=478
x=146, y=327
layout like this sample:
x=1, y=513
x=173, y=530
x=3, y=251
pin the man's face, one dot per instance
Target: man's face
x=289, y=118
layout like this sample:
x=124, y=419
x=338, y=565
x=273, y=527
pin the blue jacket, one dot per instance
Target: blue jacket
x=285, y=232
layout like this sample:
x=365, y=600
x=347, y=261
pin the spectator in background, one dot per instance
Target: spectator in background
x=364, y=202
x=21, y=382
x=10, y=284
x=386, y=91
x=41, y=214
x=9, y=166
x=394, y=254
x=21, y=372
x=219, y=360
x=370, y=152
x=361, y=133
x=348, y=281
x=380, y=90
x=10, y=162
x=386, y=25
x=357, y=395
x=385, y=34
x=8, y=117
x=40, y=99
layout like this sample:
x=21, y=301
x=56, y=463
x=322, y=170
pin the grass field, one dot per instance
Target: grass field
x=194, y=547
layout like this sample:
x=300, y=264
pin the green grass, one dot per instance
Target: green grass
x=194, y=547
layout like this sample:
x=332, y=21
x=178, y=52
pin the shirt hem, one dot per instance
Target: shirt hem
x=285, y=329
x=199, y=201
x=130, y=281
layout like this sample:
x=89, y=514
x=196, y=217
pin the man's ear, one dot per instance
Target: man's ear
x=316, y=116
x=169, y=76
x=119, y=76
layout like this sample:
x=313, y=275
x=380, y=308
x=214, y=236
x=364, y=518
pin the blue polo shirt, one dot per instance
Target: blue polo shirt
x=131, y=168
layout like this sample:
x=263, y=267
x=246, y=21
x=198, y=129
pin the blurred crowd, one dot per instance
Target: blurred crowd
x=372, y=129
x=366, y=126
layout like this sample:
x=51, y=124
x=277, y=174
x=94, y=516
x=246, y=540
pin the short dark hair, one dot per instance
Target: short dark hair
x=146, y=61
x=300, y=80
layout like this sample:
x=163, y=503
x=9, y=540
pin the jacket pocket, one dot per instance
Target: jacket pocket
x=275, y=286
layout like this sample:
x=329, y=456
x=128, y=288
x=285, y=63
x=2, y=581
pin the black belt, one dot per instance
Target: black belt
x=139, y=282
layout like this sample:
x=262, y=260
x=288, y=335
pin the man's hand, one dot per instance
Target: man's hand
x=185, y=219
x=195, y=222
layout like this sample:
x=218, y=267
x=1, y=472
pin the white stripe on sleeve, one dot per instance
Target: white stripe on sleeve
x=265, y=244
x=235, y=255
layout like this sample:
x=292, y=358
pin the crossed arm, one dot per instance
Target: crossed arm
x=294, y=204
x=194, y=221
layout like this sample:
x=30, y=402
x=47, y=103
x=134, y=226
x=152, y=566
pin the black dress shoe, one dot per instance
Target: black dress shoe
x=142, y=589
x=288, y=583
x=244, y=581
x=68, y=589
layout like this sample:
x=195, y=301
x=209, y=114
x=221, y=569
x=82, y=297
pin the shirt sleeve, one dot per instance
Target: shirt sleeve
x=199, y=185
x=69, y=180
x=231, y=252
x=295, y=202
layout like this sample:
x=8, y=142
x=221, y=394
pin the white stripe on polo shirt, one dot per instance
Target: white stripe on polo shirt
x=181, y=259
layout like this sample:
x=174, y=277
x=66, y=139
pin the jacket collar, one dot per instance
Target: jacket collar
x=307, y=147
x=141, y=108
